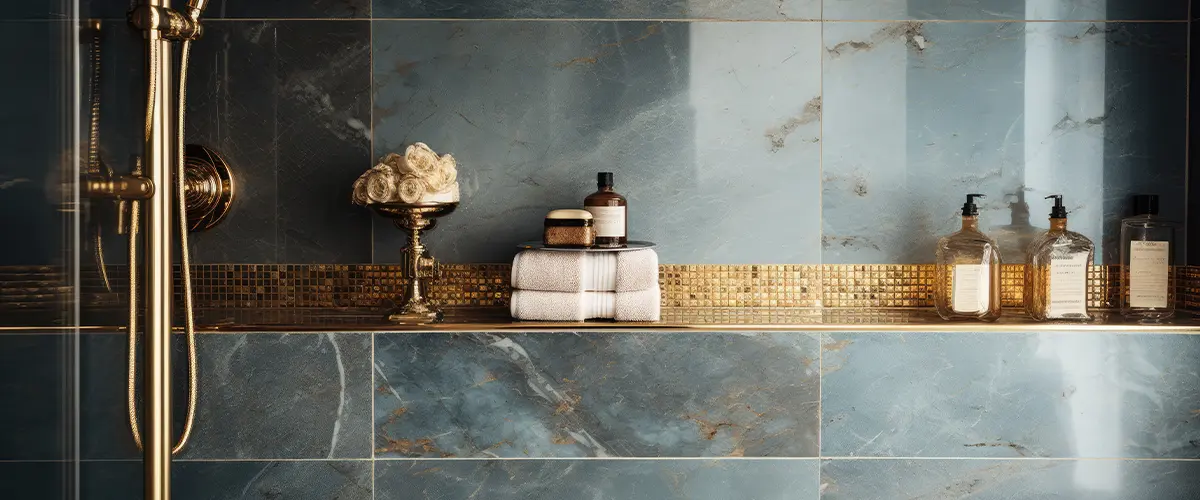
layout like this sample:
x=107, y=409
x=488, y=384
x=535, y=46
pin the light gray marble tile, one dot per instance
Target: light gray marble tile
x=601, y=9
x=596, y=394
x=1004, y=479
x=919, y=114
x=712, y=130
x=598, y=479
x=298, y=480
x=262, y=396
x=1042, y=10
x=1011, y=395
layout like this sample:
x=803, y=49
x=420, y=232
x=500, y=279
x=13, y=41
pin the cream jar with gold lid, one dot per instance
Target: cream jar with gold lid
x=569, y=228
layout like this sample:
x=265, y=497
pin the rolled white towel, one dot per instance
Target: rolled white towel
x=642, y=305
x=535, y=305
x=556, y=271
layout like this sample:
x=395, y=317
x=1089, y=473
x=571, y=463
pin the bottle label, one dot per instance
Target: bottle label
x=609, y=221
x=1068, y=285
x=972, y=285
x=1148, y=267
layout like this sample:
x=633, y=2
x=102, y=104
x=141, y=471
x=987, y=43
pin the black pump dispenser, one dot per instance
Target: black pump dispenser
x=1145, y=204
x=1059, y=211
x=969, y=209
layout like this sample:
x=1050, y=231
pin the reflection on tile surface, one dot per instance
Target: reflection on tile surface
x=1004, y=479
x=601, y=9
x=288, y=104
x=599, y=479
x=261, y=396
x=33, y=369
x=596, y=394
x=709, y=128
x=1011, y=395
x=321, y=480
x=225, y=9
x=34, y=142
x=35, y=480
x=917, y=115
x=1006, y=9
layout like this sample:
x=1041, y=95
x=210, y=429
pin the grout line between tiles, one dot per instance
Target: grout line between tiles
x=1027, y=459
x=607, y=459
x=631, y=19
x=371, y=420
x=371, y=162
x=820, y=391
x=230, y=460
x=712, y=459
x=821, y=232
x=670, y=20
x=1187, y=131
x=821, y=144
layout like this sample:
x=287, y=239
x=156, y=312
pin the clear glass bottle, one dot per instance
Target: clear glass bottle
x=1147, y=262
x=1056, y=269
x=610, y=213
x=967, y=274
x=1016, y=237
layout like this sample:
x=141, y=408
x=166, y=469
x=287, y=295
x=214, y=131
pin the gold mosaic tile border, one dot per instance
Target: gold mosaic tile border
x=774, y=287
x=1188, y=296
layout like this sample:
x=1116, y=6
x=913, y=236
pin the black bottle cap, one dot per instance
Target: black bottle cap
x=1059, y=211
x=1145, y=204
x=604, y=179
x=969, y=209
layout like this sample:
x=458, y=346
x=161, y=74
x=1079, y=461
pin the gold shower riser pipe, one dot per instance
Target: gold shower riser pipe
x=160, y=157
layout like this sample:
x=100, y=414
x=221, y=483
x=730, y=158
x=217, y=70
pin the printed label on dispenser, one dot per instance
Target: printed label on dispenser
x=972, y=285
x=1068, y=285
x=1148, y=261
x=609, y=222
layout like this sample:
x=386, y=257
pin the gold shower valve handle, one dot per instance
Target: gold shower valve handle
x=208, y=185
x=120, y=187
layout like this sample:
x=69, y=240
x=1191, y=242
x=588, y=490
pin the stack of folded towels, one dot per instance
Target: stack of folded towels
x=576, y=286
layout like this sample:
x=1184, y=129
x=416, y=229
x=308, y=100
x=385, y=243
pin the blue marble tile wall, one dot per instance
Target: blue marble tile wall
x=801, y=131
x=632, y=416
x=763, y=131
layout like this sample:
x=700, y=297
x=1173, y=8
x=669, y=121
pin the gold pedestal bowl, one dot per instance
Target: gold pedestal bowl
x=419, y=267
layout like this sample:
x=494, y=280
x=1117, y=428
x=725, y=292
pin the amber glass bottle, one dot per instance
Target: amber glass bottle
x=967, y=276
x=609, y=213
x=1056, y=268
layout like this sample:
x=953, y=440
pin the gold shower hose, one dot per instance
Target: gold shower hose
x=189, y=319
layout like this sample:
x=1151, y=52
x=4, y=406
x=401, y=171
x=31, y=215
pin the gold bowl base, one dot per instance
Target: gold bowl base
x=416, y=313
x=419, y=268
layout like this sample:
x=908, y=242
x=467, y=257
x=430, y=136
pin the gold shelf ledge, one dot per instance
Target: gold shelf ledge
x=220, y=321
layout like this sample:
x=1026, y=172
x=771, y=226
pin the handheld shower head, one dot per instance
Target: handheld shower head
x=195, y=8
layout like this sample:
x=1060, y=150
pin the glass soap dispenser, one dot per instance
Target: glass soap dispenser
x=967, y=274
x=1147, y=260
x=1056, y=268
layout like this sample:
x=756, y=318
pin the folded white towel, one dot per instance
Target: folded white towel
x=642, y=305
x=536, y=305
x=555, y=271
